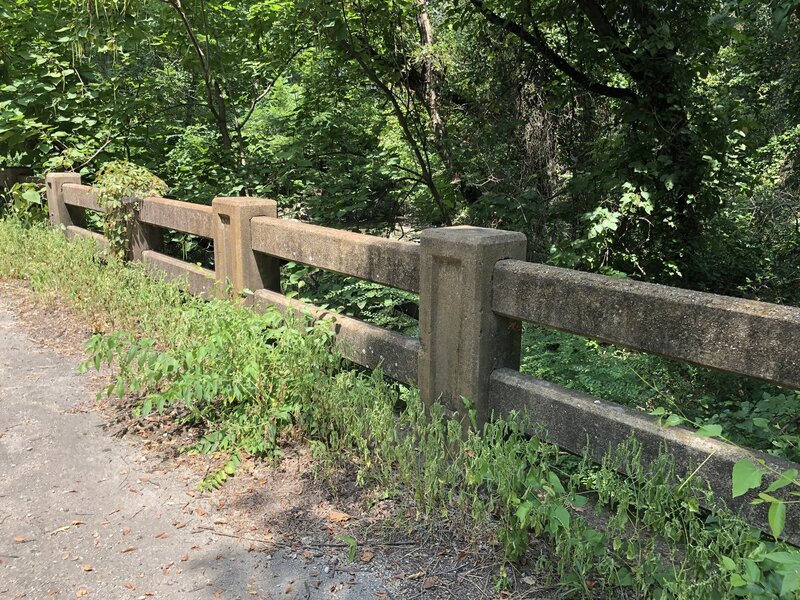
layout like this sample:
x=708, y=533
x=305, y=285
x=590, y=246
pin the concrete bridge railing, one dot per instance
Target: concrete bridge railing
x=474, y=289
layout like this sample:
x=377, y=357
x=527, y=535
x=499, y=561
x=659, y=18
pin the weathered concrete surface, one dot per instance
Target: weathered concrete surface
x=196, y=219
x=89, y=516
x=234, y=258
x=60, y=213
x=463, y=341
x=83, y=196
x=363, y=343
x=573, y=420
x=199, y=281
x=388, y=262
x=73, y=231
x=731, y=334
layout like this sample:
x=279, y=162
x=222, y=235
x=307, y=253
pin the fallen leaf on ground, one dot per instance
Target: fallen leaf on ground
x=126, y=531
x=429, y=583
x=200, y=512
x=184, y=558
x=129, y=549
x=162, y=536
x=19, y=539
x=82, y=592
x=87, y=567
x=367, y=555
x=130, y=586
x=79, y=522
x=336, y=516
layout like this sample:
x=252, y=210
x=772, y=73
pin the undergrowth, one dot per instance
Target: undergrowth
x=251, y=380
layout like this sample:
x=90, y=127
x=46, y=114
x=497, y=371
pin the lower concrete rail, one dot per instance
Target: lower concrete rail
x=578, y=422
x=360, y=342
x=199, y=281
x=75, y=231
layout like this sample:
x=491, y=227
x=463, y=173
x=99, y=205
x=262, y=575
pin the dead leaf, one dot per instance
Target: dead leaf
x=82, y=592
x=336, y=516
x=200, y=512
x=87, y=567
x=184, y=558
x=429, y=583
x=129, y=549
x=367, y=555
x=79, y=522
x=130, y=586
x=162, y=536
x=126, y=531
x=165, y=570
x=19, y=539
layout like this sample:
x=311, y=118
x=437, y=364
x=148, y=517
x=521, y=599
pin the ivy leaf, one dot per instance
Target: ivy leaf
x=710, y=430
x=746, y=476
x=777, y=518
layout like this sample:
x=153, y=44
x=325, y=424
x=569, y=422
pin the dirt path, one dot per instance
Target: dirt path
x=95, y=505
x=85, y=515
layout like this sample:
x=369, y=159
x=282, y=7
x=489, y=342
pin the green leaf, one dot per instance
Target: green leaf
x=728, y=564
x=673, y=420
x=710, y=430
x=523, y=510
x=561, y=516
x=352, y=545
x=737, y=580
x=786, y=478
x=777, y=518
x=746, y=476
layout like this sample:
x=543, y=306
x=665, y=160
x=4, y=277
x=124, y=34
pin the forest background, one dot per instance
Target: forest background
x=656, y=140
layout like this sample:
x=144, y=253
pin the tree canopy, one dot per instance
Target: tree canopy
x=647, y=139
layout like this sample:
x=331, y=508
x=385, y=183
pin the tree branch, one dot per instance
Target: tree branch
x=536, y=40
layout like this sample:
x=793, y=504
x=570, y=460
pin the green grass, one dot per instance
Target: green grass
x=249, y=380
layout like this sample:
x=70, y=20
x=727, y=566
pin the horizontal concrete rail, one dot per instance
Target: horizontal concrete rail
x=84, y=196
x=74, y=231
x=180, y=216
x=199, y=281
x=572, y=420
x=360, y=342
x=380, y=260
x=730, y=334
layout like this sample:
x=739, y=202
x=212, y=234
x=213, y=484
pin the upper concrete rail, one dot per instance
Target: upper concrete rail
x=739, y=336
x=380, y=260
x=84, y=196
x=196, y=219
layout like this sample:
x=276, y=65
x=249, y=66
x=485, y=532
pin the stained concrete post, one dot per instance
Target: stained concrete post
x=60, y=213
x=143, y=236
x=462, y=340
x=234, y=257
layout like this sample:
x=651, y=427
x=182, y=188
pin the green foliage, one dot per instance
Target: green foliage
x=121, y=186
x=26, y=203
x=210, y=360
x=383, y=306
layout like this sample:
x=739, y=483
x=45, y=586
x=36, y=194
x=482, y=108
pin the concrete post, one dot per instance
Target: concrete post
x=462, y=340
x=60, y=213
x=234, y=257
x=142, y=235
